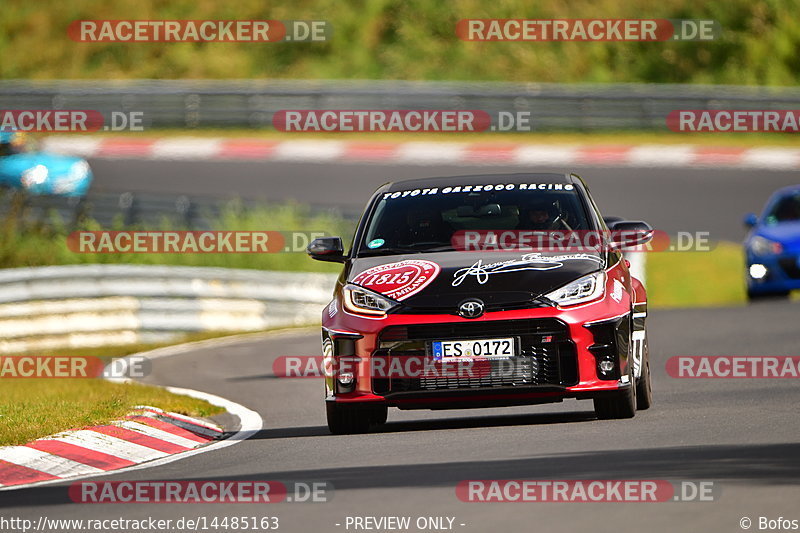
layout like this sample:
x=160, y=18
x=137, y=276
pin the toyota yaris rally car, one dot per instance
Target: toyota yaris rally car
x=447, y=300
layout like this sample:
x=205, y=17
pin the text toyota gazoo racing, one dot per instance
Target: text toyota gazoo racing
x=518, y=327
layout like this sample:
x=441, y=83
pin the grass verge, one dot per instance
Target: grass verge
x=696, y=279
x=34, y=408
x=43, y=242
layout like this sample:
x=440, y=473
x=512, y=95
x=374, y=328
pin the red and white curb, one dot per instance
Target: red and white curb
x=452, y=153
x=144, y=435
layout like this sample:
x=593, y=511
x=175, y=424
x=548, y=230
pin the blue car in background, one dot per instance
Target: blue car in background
x=772, y=247
x=24, y=168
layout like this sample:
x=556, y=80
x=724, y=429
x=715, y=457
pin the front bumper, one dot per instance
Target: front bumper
x=782, y=273
x=558, y=356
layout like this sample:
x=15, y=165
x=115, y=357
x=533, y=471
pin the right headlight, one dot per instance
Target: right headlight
x=762, y=246
x=585, y=289
x=357, y=299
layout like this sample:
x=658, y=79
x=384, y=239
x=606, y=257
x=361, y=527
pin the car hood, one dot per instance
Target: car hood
x=434, y=281
x=787, y=233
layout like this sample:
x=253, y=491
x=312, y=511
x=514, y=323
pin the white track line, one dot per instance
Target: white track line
x=48, y=463
x=159, y=434
x=100, y=442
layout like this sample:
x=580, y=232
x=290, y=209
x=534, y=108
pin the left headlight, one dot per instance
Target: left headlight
x=34, y=176
x=581, y=290
x=357, y=299
x=763, y=246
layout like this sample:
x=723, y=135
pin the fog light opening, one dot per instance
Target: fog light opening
x=606, y=367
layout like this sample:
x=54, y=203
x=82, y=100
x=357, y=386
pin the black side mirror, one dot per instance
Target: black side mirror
x=327, y=249
x=626, y=233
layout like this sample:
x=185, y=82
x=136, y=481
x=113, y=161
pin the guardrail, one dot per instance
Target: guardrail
x=252, y=103
x=93, y=305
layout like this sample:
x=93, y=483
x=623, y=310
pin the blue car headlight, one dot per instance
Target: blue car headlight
x=78, y=171
x=762, y=246
x=34, y=176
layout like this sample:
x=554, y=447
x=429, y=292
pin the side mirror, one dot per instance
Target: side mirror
x=625, y=233
x=750, y=220
x=610, y=221
x=327, y=249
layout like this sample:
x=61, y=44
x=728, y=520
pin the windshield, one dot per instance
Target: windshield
x=787, y=209
x=416, y=221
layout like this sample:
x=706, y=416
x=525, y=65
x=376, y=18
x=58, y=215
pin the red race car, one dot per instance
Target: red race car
x=483, y=291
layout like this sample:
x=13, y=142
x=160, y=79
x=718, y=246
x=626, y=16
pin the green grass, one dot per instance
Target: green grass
x=408, y=39
x=25, y=245
x=696, y=279
x=34, y=408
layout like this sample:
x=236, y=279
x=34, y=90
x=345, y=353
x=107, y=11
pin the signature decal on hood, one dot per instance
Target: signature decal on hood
x=399, y=280
x=533, y=261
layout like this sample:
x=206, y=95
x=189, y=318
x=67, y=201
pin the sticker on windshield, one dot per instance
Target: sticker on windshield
x=376, y=243
x=399, y=280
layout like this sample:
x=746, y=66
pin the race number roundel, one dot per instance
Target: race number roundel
x=399, y=280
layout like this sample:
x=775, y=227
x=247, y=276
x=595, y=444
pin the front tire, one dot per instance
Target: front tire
x=644, y=388
x=348, y=419
x=620, y=405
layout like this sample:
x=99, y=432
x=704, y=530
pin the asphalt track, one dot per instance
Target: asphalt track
x=670, y=199
x=742, y=434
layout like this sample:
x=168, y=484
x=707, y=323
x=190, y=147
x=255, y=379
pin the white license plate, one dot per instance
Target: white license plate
x=487, y=348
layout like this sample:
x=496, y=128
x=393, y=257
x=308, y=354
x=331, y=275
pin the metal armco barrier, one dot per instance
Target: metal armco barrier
x=252, y=103
x=94, y=305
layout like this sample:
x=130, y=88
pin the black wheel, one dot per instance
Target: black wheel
x=346, y=419
x=379, y=415
x=620, y=405
x=761, y=296
x=644, y=388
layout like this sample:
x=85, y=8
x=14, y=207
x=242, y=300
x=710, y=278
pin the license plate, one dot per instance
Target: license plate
x=470, y=349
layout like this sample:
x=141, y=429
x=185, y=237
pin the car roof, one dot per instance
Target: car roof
x=786, y=190
x=477, y=179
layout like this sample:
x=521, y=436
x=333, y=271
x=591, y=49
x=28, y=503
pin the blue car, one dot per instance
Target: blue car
x=23, y=168
x=772, y=246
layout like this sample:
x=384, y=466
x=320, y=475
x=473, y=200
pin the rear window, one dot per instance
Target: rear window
x=424, y=220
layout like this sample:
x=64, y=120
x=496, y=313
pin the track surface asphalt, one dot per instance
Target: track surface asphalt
x=742, y=434
x=670, y=199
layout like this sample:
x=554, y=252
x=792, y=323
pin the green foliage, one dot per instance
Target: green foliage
x=39, y=244
x=409, y=39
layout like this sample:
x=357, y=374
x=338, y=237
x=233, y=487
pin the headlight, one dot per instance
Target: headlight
x=761, y=246
x=78, y=170
x=34, y=176
x=360, y=300
x=582, y=290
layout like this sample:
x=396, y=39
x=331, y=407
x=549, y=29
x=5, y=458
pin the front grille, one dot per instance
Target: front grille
x=546, y=356
x=790, y=267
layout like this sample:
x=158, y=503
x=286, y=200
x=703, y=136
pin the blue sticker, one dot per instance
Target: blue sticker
x=437, y=351
x=376, y=243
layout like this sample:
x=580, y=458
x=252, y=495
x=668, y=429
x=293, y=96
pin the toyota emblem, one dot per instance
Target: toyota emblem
x=470, y=308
